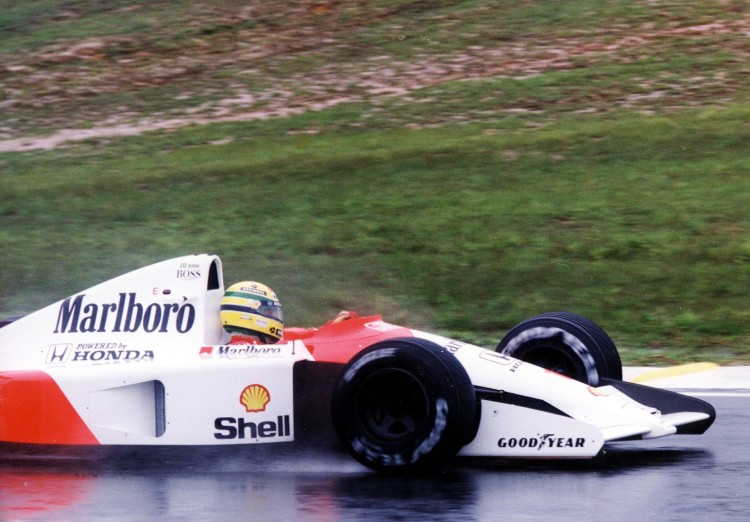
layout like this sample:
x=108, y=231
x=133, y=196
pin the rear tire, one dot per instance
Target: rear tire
x=403, y=404
x=566, y=343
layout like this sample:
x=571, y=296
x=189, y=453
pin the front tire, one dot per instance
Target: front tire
x=566, y=343
x=403, y=404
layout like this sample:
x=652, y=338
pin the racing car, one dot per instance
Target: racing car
x=142, y=360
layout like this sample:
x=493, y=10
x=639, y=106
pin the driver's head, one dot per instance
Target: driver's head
x=252, y=309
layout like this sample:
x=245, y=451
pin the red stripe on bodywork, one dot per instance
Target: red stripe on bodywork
x=340, y=342
x=33, y=409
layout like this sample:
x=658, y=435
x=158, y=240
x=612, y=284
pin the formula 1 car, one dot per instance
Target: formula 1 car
x=142, y=359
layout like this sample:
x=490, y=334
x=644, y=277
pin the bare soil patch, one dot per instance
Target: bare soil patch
x=104, y=87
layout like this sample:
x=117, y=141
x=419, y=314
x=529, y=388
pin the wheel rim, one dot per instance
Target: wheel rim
x=392, y=405
x=555, y=359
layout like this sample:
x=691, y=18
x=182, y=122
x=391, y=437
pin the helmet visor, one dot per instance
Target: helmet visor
x=272, y=310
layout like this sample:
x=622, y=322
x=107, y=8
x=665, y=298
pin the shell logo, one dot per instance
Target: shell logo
x=255, y=397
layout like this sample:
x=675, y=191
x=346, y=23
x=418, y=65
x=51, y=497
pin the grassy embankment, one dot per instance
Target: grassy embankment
x=610, y=184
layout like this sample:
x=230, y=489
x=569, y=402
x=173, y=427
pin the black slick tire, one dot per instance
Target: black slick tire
x=566, y=343
x=404, y=404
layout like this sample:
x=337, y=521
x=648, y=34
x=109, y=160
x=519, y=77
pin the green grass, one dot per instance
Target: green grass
x=638, y=222
x=612, y=183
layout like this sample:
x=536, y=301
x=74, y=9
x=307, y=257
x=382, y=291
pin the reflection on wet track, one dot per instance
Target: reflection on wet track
x=676, y=478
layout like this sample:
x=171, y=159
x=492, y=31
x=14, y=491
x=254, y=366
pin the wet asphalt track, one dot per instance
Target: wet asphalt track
x=678, y=478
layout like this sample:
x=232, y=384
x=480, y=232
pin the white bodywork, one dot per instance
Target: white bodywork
x=594, y=415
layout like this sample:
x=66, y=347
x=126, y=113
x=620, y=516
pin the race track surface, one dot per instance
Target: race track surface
x=703, y=377
x=681, y=478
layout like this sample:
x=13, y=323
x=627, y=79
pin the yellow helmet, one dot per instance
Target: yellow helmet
x=253, y=309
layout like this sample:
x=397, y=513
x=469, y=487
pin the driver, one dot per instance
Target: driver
x=251, y=313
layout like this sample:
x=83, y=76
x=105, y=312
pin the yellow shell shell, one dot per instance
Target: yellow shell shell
x=255, y=397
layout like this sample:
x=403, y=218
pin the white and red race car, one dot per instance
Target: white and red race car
x=142, y=360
